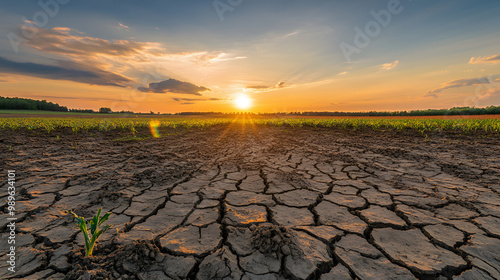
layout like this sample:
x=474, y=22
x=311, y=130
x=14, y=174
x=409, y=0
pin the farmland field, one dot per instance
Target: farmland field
x=250, y=140
x=256, y=198
x=421, y=124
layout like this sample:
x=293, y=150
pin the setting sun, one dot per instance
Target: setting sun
x=243, y=102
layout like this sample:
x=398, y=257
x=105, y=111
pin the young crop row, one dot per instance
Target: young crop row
x=130, y=124
x=100, y=124
x=421, y=125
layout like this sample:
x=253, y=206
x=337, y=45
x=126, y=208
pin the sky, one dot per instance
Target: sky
x=280, y=55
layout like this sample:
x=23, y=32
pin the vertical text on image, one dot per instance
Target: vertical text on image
x=49, y=9
x=223, y=6
x=11, y=226
x=373, y=28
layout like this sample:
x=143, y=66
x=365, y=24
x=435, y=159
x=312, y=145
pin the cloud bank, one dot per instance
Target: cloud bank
x=174, y=86
x=117, y=61
x=68, y=41
x=462, y=83
x=70, y=71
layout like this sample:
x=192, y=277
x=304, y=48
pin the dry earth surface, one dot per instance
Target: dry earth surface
x=235, y=202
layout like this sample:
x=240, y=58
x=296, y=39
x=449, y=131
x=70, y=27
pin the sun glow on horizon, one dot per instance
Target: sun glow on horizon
x=243, y=102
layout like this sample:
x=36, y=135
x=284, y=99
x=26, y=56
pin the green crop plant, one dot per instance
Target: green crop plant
x=132, y=125
x=90, y=239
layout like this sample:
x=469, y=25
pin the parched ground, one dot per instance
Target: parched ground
x=243, y=202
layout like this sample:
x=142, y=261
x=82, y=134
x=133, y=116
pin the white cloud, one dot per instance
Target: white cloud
x=389, y=66
x=122, y=26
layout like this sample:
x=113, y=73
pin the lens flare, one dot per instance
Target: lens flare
x=153, y=126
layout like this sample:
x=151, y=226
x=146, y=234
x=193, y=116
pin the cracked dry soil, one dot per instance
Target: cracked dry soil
x=236, y=202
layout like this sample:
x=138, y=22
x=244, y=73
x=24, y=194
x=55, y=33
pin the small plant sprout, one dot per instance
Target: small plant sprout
x=96, y=221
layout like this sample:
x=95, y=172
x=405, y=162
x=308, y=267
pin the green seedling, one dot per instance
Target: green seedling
x=96, y=221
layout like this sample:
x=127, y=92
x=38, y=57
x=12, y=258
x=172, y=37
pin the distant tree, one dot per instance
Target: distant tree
x=82, y=110
x=104, y=110
x=15, y=103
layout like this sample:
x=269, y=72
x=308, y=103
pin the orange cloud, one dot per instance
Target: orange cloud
x=389, y=66
x=122, y=26
x=492, y=59
x=68, y=41
x=488, y=93
x=191, y=101
x=135, y=61
x=280, y=84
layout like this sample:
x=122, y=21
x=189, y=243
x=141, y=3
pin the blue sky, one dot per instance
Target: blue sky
x=256, y=47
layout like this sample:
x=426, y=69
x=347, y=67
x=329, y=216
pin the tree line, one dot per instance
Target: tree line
x=15, y=103
x=491, y=110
